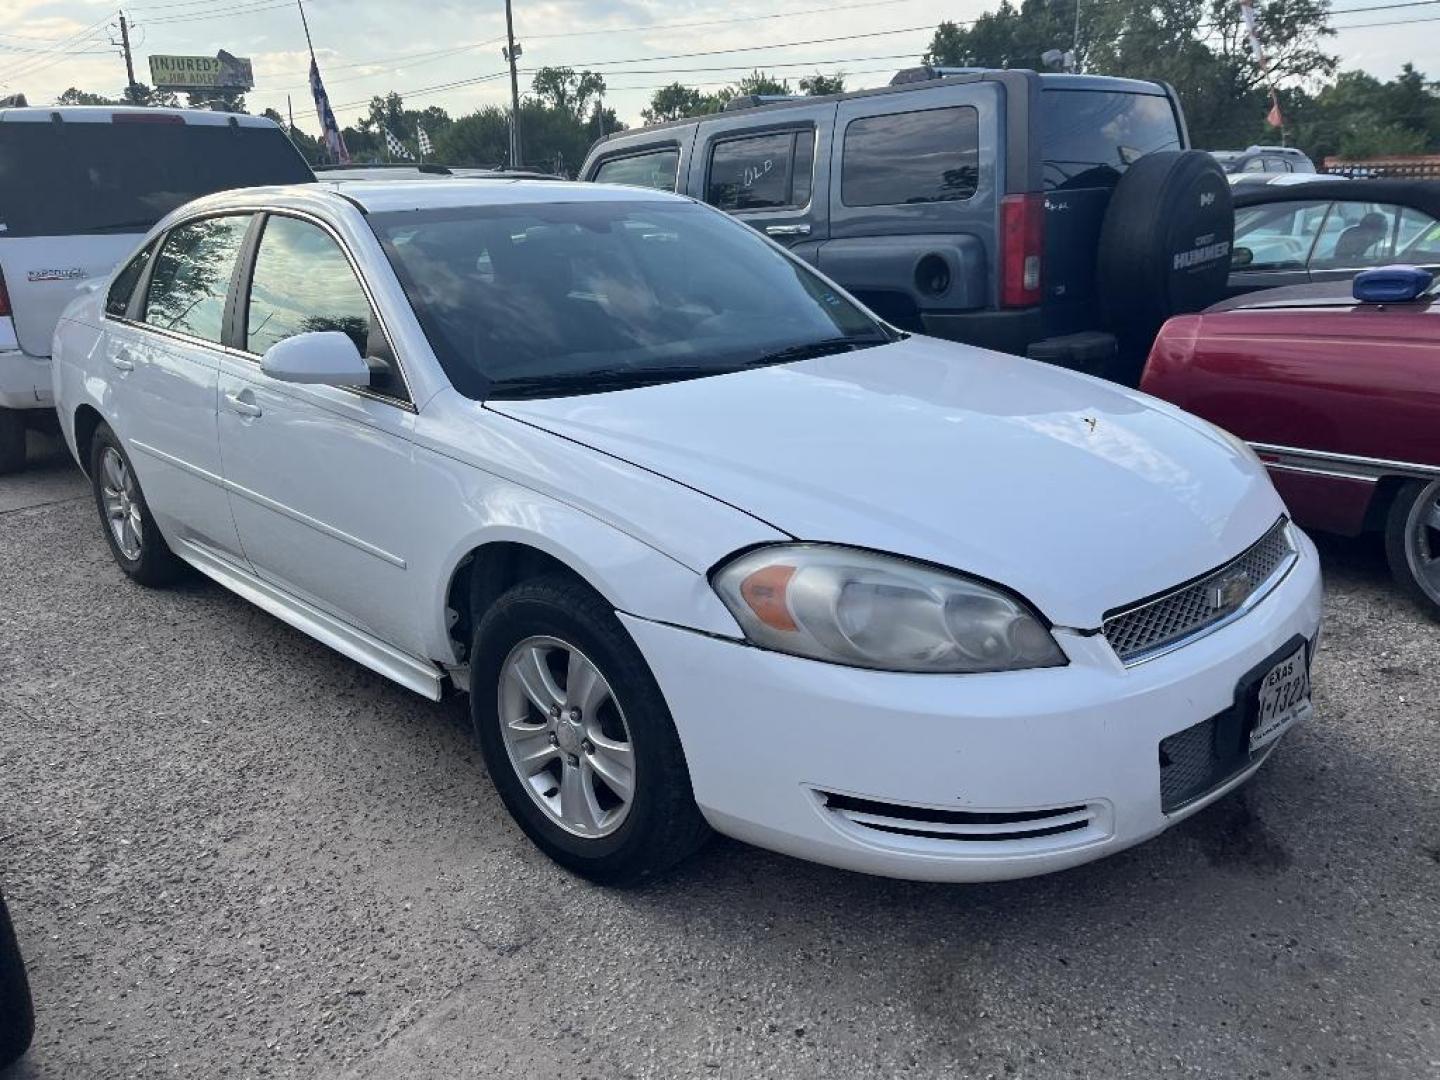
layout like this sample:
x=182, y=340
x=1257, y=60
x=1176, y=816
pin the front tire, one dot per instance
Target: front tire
x=12, y=441
x=131, y=532
x=577, y=736
x=17, y=1012
x=1412, y=541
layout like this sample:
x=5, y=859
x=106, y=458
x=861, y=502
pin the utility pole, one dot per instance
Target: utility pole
x=129, y=60
x=289, y=108
x=1075, y=41
x=512, y=53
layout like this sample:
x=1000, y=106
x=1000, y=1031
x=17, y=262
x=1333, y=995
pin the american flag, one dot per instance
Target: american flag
x=329, y=129
x=426, y=147
x=396, y=147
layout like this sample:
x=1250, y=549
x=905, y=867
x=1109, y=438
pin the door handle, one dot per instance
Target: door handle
x=243, y=407
x=787, y=230
x=121, y=362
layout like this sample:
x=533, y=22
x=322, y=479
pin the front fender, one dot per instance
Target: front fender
x=631, y=575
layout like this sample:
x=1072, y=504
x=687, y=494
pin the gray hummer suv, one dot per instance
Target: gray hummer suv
x=1059, y=216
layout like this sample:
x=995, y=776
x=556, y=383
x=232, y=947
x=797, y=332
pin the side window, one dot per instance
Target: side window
x=762, y=172
x=1276, y=165
x=1419, y=238
x=916, y=157
x=302, y=282
x=1254, y=164
x=1356, y=235
x=1278, y=236
x=117, y=300
x=653, y=170
x=192, y=276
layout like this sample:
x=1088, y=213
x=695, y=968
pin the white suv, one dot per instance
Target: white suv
x=78, y=187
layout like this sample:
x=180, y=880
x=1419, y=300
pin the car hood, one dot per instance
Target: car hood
x=1080, y=495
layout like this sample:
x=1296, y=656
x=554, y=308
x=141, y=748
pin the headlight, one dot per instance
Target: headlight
x=877, y=611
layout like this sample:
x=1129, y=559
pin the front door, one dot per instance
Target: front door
x=323, y=482
x=772, y=177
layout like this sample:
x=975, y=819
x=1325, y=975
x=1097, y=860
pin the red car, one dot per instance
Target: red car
x=1339, y=394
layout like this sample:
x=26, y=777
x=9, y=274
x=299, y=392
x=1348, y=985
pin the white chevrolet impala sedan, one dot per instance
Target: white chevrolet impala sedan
x=710, y=545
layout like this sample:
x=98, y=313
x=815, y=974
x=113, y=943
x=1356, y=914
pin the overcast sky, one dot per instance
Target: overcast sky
x=370, y=46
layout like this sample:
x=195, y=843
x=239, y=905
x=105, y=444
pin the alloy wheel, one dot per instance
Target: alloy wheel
x=1422, y=541
x=121, y=499
x=566, y=736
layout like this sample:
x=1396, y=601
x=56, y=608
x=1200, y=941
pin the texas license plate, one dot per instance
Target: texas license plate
x=1283, y=697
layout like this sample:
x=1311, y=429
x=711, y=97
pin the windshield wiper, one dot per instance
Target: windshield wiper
x=807, y=350
x=563, y=384
x=138, y=225
x=595, y=382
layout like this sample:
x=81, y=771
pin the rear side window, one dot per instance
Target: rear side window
x=76, y=178
x=762, y=172
x=192, y=276
x=117, y=301
x=1090, y=137
x=653, y=170
x=915, y=157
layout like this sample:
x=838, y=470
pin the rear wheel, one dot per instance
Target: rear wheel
x=12, y=440
x=1412, y=541
x=577, y=736
x=131, y=532
x=17, y=1014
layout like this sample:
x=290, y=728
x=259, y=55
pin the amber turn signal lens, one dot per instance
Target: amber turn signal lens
x=764, y=591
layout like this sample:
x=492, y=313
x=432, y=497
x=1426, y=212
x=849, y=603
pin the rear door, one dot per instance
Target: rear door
x=770, y=170
x=1088, y=139
x=916, y=174
x=163, y=350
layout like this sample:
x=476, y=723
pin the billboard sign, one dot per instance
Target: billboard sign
x=219, y=72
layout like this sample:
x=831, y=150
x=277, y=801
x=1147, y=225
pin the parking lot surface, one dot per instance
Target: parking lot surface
x=231, y=852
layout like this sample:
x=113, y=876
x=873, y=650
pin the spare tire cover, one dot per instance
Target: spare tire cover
x=1165, y=243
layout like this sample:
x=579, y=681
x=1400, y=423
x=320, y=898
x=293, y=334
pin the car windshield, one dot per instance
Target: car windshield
x=1090, y=137
x=554, y=299
x=80, y=178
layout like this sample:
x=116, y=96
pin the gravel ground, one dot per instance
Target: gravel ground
x=230, y=852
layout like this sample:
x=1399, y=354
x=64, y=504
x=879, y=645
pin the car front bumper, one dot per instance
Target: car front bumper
x=960, y=778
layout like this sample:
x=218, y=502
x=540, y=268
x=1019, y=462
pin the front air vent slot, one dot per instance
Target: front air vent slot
x=959, y=826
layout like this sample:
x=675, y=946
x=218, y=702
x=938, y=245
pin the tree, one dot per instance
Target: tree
x=673, y=102
x=1200, y=47
x=760, y=82
x=562, y=89
x=308, y=147
x=819, y=84
x=218, y=100
x=74, y=96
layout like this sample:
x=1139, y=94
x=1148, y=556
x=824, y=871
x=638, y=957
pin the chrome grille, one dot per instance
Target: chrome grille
x=1144, y=630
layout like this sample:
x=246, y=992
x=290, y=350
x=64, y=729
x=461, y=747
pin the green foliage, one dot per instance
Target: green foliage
x=137, y=94
x=232, y=101
x=820, y=84
x=676, y=101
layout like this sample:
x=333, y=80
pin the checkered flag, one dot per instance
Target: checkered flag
x=426, y=147
x=396, y=147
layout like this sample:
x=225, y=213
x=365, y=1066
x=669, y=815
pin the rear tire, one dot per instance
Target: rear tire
x=12, y=440
x=1412, y=542
x=125, y=519
x=648, y=821
x=17, y=1011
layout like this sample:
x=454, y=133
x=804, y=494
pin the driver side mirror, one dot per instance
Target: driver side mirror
x=1241, y=257
x=323, y=357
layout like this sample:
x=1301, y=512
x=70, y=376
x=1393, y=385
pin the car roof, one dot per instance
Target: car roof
x=1418, y=194
x=1048, y=81
x=104, y=114
x=381, y=197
